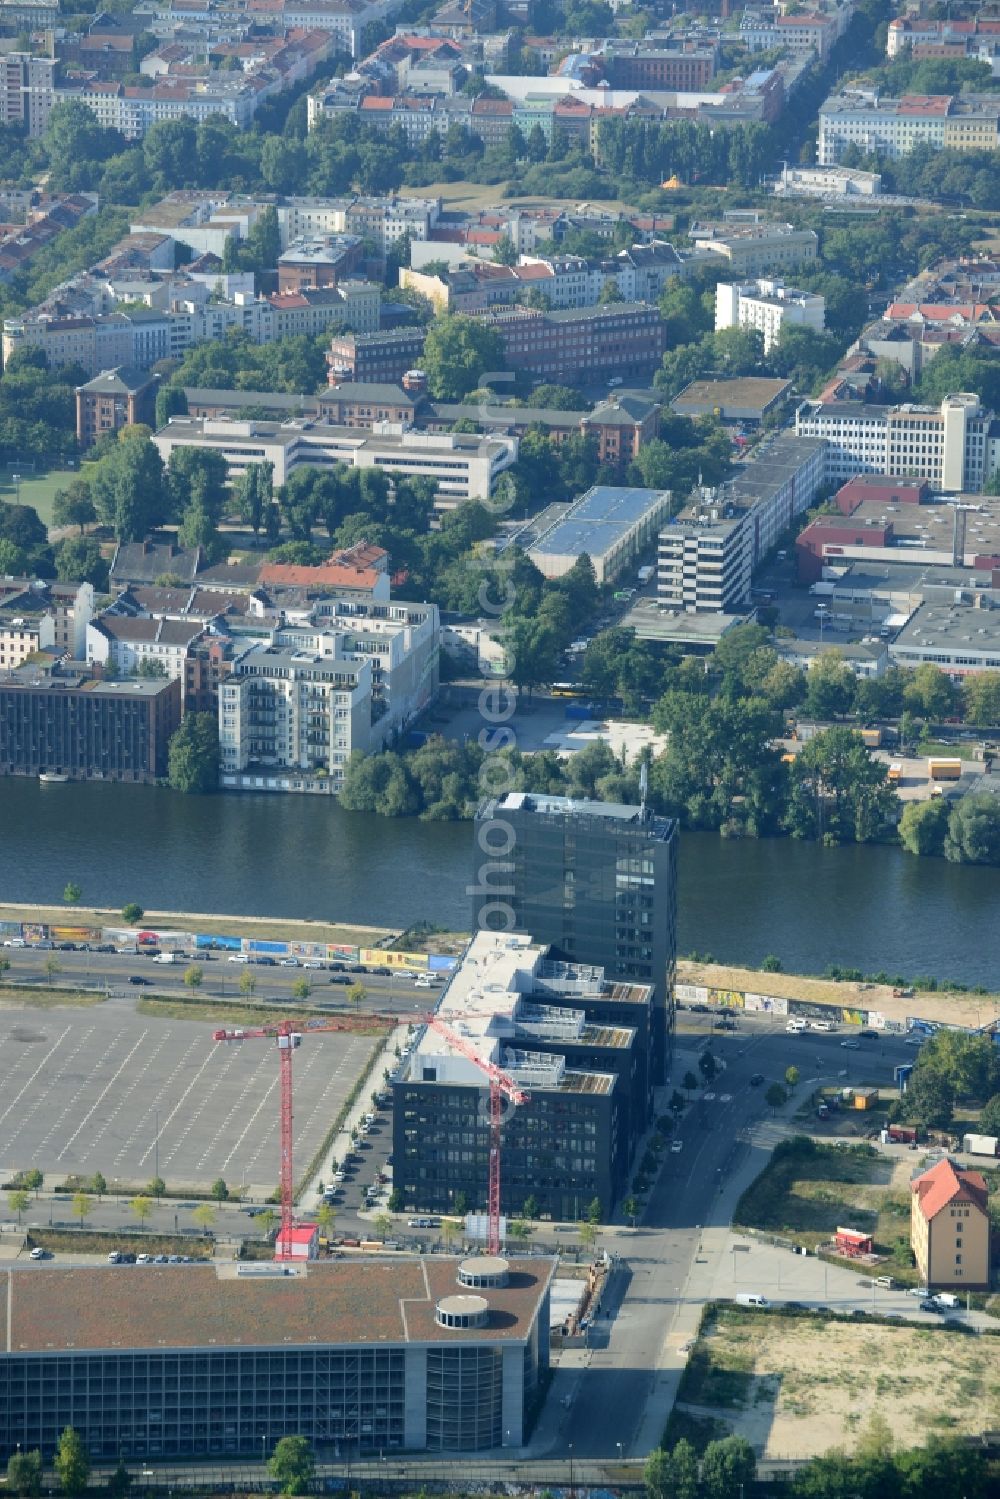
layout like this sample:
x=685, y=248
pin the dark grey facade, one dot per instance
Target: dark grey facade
x=564, y=1148
x=86, y=729
x=597, y=881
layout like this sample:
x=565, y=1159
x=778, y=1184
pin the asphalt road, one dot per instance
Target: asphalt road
x=221, y=978
x=651, y=1290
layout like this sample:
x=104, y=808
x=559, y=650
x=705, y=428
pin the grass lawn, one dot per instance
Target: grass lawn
x=810, y=1193
x=16, y=997
x=36, y=489
x=961, y=750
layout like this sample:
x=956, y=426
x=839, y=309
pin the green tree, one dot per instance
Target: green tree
x=838, y=790
x=17, y=1201
x=689, y=1082
x=989, y=1117
x=594, y=1211
x=193, y=755
x=923, y=827
x=293, y=1465
x=79, y=559
x=830, y=685
x=982, y=699
x=707, y=1066
x=24, y=1473
x=127, y=485
x=728, y=1468
x=72, y=1463
x=220, y=1191
x=4, y=967
x=255, y=494
x=973, y=835
x=685, y=1463
x=792, y=1077
x=302, y=989
x=458, y=351
x=248, y=982
x=775, y=1096
x=72, y=894
x=929, y=1098
x=204, y=1216
x=324, y=1218
x=141, y=1207
x=98, y=1185
x=157, y=1187
x=74, y=505
x=170, y=401
x=658, y=1475
x=356, y=993
x=33, y=1180
x=193, y=976
x=83, y=1205
x=119, y=1482
x=929, y=692
x=132, y=913
x=52, y=966
x=630, y=1207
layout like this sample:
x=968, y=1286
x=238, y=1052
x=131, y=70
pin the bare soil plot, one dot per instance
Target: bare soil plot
x=796, y=1386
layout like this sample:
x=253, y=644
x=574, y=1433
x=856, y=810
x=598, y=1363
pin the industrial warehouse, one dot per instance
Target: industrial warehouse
x=364, y=1355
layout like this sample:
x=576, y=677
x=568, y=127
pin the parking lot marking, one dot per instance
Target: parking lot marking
x=102, y=1095
x=32, y=1079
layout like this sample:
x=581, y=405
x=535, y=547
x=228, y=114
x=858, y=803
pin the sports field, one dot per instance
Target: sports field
x=36, y=489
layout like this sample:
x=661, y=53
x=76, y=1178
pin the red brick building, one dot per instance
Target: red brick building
x=117, y=398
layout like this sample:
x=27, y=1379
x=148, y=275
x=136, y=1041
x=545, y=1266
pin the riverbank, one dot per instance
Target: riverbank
x=267, y=928
x=945, y=1006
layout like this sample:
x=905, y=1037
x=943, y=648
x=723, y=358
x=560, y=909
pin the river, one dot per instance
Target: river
x=300, y=856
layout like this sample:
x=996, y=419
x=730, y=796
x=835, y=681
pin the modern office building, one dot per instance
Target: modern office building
x=67, y=724
x=955, y=447
x=564, y=1033
x=596, y=881
x=366, y=1355
x=463, y=465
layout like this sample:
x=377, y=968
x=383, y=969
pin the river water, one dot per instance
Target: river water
x=300, y=856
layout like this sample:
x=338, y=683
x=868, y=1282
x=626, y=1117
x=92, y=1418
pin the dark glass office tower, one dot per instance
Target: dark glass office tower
x=597, y=881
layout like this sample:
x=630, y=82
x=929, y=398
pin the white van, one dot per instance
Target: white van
x=423, y=981
x=945, y=1298
x=165, y=957
x=795, y=1027
x=751, y=1298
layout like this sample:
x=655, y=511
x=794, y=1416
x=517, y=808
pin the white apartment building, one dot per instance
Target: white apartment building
x=707, y=556
x=767, y=306
x=465, y=466
x=130, y=645
x=297, y=706
x=893, y=127
x=955, y=448
x=815, y=32
x=27, y=91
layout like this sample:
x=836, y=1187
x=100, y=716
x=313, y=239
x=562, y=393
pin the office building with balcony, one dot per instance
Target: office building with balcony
x=560, y=1031
x=596, y=881
x=367, y=1355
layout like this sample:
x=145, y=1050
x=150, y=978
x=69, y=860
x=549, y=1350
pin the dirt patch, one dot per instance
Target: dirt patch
x=808, y=1193
x=797, y=1386
x=958, y=1009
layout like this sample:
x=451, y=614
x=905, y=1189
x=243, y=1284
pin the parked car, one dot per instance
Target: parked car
x=237, y=957
x=756, y=1079
x=288, y=962
x=676, y=1146
x=135, y=978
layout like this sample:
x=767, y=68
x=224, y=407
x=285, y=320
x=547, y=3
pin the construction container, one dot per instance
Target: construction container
x=940, y=769
x=981, y=1145
x=865, y=1098
x=895, y=773
x=872, y=737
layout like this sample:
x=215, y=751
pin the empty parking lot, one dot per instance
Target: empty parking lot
x=105, y=1089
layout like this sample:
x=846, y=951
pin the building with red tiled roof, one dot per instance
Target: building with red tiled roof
x=950, y=1227
x=345, y=577
x=354, y=1351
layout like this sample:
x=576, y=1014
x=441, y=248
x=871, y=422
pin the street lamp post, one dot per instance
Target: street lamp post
x=17, y=488
x=571, y=1488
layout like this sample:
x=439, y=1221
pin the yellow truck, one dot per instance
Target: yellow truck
x=872, y=737
x=895, y=773
x=941, y=769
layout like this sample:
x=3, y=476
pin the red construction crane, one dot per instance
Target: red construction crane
x=501, y=1086
x=288, y=1034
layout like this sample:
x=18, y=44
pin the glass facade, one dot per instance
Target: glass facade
x=198, y=1403
x=596, y=882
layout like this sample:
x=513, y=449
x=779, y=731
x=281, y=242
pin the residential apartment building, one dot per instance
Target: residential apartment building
x=707, y=555
x=322, y=261
x=683, y=67
x=955, y=447
x=339, y=676
x=765, y=29
x=458, y=1363
x=758, y=249
x=923, y=36
x=570, y=1141
x=767, y=306
x=950, y=1227
x=27, y=91
x=65, y=723
x=893, y=127
x=464, y=466
x=112, y=400
x=595, y=881
x=131, y=645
